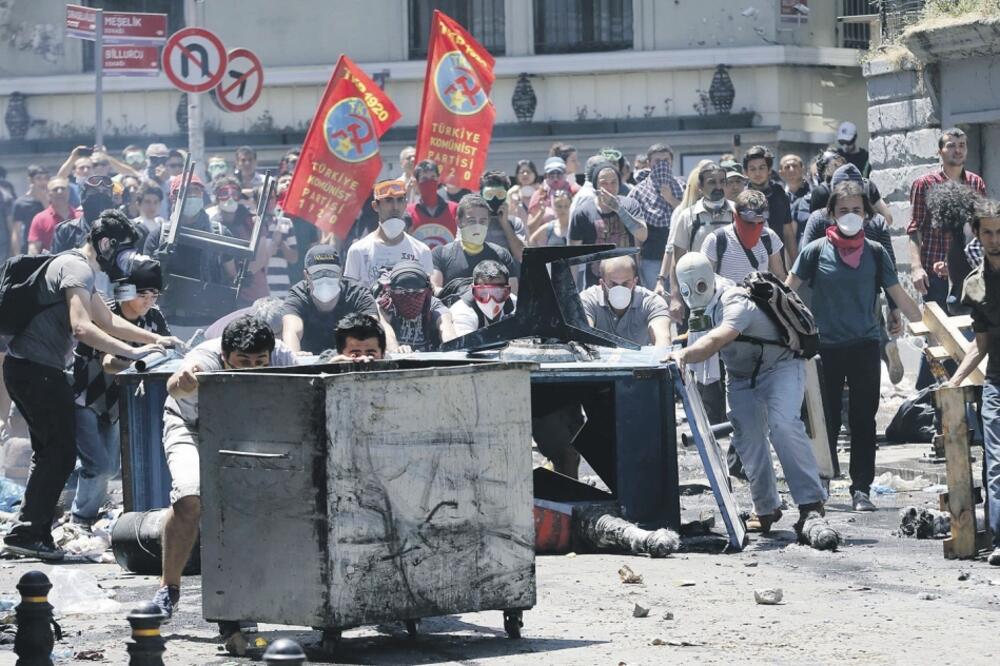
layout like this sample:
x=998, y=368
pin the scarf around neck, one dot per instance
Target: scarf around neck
x=851, y=248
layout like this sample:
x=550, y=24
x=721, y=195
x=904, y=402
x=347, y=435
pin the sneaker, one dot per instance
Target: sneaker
x=763, y=524
x=234, y=640
x=994, y=557
x=31, y=547
x=168, y=598
x=862, y=502
x=893, y=362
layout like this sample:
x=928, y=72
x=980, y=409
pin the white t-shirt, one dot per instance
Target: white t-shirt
x=370, y=258
x=465, y=318
x=735, y=264
x=278, y=279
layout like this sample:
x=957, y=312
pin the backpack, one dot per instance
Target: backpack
x=20, y=278
x=722, y=244
x=783, y=307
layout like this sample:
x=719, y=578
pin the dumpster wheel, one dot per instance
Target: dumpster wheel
x=512, y=623
x=330, y=640
x=411, y=628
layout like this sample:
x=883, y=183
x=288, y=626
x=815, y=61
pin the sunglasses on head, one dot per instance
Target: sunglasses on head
x=485, y=292
x=750, y=214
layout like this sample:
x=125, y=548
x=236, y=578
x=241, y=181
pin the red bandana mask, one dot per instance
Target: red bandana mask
x=428, y=192
x=849, y=248
x=747, y=232
x=409, y=304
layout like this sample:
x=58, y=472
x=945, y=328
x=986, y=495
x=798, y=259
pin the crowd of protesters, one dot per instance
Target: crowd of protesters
x=426, y=262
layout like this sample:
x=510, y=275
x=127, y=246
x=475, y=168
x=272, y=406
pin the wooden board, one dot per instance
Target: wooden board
x=712, y=459
x=948, y=334
x=958, y=469
x=817, y=421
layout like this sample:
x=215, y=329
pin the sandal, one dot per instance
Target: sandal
x=763, y=523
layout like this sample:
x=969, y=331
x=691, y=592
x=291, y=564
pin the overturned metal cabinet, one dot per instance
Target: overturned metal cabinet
x=333, y=498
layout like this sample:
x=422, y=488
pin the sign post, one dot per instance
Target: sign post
x=242, y=81
x=99, y=79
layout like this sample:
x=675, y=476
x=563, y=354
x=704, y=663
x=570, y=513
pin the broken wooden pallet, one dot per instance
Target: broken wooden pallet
x=946, y=339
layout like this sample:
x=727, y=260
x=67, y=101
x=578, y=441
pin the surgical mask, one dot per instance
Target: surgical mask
x=192, y=206
x=850, y=224
x=392, y=227
x=325, y=290
x=228, y=205
x=619, y=297
x=474, y=234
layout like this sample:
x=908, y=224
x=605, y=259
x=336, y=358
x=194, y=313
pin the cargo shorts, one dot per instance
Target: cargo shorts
x=180, y=444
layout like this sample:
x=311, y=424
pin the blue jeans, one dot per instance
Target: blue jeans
x=649, y=271
x=991, y=444
x=771, y=410
x=99, y=450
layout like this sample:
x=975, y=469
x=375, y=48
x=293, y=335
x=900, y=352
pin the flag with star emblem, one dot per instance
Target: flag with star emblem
x=340, y=158
x=456, y=118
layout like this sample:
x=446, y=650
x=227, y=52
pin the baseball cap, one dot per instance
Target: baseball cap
x=176, y=181
x=389, y=188
x=157, y=150
x=731, y=165
x=322, y=259
x=408, y=274
x=734, y=173
x=847, y=132
x=555, y=164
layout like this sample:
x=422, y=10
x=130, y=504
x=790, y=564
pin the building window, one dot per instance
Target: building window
x=577, y=26
x=856, y=19
x=483, y=18
x=174, y=9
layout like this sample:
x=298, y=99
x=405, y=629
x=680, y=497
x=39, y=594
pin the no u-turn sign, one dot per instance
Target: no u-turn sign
x=194, y=60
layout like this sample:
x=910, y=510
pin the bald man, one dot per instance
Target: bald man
x=617, y=304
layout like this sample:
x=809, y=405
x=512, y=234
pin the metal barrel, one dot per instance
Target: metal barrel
x=136, y=541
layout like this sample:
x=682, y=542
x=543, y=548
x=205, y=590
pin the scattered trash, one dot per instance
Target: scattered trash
x=927, y=596
x=11, y=494
x=628, y=576
x=685, y=583
x=937, y=489
x=750, y=564
x=602, y=530
x=924, y=523
x=82, y=544
x=89, y=655
x=76, y=591
x=7, y=604
x=668, y=615
x=640, y=611
x=964, y=575
x=818, y=533
x=659, y=641
x=887, y=483
x=260, y=642
x=570, y=554
x=768, y=596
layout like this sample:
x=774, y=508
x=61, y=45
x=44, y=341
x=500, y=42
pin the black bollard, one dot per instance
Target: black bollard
x=286, y=652
x=147, y=646
x=34, y=640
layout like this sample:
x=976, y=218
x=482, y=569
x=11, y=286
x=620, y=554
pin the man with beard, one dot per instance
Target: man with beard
x=420, y=321
x=371, y=259
x=315, y=306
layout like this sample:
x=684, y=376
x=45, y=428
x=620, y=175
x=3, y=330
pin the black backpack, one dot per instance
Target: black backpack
x=783, y=307
x=20, y=278
x=722, y=244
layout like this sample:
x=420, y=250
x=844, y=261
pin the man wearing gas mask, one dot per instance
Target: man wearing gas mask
x=315, y=306
x=765, y=382
x=39, y=356
x=96, y=391
x=419, y=321
x=620, y=306
x=433, y=214
x=504, y=230
x=95, y=198
x=692, y=226
x=487, y=302
x=371, y=259
x=458, y=259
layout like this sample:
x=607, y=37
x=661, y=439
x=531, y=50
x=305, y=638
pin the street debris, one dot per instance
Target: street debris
x=818, y=533
x=964, y=575
x=74, y=591
x=640, y=611
x=924, y=523
x=669, y=615
x=768, y=596
x=628, y=576
x=927, y=596
x=602, y=530
x=89, y=655
x=887, y=483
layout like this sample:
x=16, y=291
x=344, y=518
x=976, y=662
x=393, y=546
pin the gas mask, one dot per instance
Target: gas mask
x=474, y=234
x=325, y=289
x=392, y=227
x=116, y=261
x=850, y=224
x=619, y=297
x=228, y=205
x=696, y=281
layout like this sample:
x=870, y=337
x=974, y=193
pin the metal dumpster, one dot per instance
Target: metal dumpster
x=334, y=498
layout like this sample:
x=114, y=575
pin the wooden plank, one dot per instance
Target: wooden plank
x=937, y=353
x=919, y=329
x=950, y=336
x=712, y=459
x=958, y=469
x=817, y=421
x=962, y=321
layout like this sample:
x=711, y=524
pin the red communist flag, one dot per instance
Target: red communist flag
x=340, y=157
x=456, y=119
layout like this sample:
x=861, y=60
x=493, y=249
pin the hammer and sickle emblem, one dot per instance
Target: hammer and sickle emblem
x=354, y=132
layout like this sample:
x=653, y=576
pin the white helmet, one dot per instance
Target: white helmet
x=696, y=280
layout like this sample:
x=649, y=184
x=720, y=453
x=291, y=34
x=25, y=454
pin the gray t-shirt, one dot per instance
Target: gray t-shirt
x=48, y=338
x=634, y=324
x=738, y=311
x=208, y=356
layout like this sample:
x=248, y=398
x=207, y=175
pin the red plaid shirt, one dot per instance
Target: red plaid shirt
x=934, y=243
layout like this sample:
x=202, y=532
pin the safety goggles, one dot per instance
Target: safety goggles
x=611, y=154
x=554, y=175
x=226, y=193
x=494, y=194
x=749, y=214
x=389, y=189
x=401, y=291
x=99, y=183
x=486, y=292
